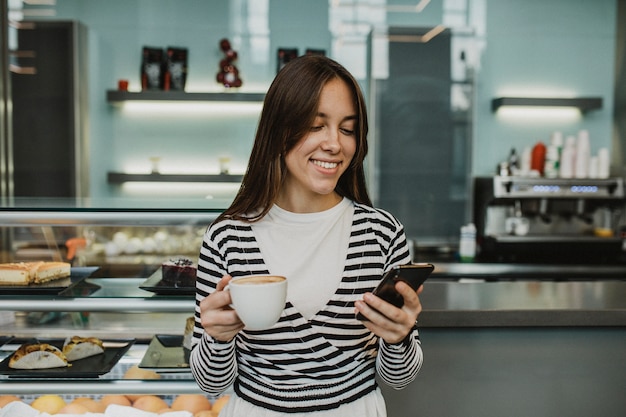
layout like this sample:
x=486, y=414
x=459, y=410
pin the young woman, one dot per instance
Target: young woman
x=303, y=212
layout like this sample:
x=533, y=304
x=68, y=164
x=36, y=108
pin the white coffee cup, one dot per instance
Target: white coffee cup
x=259, y=300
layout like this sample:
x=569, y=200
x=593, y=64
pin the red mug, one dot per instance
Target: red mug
x=122, y=85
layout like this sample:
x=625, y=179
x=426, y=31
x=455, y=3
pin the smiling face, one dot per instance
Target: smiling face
x=315, y=164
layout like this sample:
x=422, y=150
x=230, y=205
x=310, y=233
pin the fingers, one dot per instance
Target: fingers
x=412, y=302
x=222, y=325
x=223, y=282
x=218, y=319
x=387, y=321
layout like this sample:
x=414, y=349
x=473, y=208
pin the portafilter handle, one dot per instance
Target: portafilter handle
x=543, y=210
x=580, y=211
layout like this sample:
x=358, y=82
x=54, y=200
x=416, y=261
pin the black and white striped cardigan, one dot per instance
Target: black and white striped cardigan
x=303, y=365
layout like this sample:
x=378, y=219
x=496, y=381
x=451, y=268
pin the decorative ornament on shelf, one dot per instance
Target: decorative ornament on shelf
x=229, y=74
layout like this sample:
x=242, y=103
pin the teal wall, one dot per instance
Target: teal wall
x=560, y=47
x=564, y=45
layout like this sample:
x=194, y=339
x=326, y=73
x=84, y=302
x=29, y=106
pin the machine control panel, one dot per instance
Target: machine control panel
x=523, y=187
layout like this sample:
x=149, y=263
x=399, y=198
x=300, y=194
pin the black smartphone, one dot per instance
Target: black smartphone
x=413, y=274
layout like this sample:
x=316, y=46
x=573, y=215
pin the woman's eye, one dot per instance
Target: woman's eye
x=346, y=131
x=316, y=128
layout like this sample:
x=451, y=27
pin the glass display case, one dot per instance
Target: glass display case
x=115, y=249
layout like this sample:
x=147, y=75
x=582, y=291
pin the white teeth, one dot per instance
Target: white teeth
x=327, y=165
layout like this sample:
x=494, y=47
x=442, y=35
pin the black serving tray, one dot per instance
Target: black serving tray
x=91, y=367
x=156, y=285
x=53, y=287
x=165, y=353
x=125, y=271
x=5, y=339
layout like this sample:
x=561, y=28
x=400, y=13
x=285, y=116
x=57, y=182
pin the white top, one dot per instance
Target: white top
x=289, y=241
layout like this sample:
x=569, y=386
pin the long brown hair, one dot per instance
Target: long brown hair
x=289, y=110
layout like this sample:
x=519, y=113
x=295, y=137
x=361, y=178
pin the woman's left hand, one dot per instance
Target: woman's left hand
x=387, y=321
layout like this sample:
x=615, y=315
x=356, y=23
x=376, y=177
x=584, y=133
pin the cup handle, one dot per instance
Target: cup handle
x=227, y=288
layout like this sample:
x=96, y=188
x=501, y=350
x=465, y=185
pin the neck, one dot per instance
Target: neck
x=302, y=204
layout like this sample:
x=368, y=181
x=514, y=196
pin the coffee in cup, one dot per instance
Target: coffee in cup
x=259, y=300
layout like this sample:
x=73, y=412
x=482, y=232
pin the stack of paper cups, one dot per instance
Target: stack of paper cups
x=603, y=163
x=582, y=155
x=568, y=158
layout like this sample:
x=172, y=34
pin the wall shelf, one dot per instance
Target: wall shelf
x=584, y=104
x=116, y=96
x=121, y=177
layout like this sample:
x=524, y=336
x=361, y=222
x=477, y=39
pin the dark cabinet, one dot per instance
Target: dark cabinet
x=46, y=86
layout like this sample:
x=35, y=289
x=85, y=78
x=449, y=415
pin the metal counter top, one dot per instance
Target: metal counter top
x=523, y=303
x=496, y=271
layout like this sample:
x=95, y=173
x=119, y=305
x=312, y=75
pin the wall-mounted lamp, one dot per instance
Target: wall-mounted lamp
x=584, y=104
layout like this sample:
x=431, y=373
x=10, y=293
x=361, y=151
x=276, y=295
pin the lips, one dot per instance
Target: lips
x=326, y=165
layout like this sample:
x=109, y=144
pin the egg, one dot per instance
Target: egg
x=149, y=245
x=206, y=413
x=191, y=402
x=106, y=400
x=220, y=403
x=50, y=404
x=150, y=403
x=91, y=404
x=112, y=249
x=74, y=408
x=120, y=239
x=133, y=246
x=135, y=372
x=6, y=399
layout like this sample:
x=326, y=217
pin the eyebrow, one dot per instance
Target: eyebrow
x=325, y=116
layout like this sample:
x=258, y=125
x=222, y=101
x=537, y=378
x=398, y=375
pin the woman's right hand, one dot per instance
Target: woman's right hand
x=217, y=317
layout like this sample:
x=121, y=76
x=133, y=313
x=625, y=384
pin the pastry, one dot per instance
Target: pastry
x=82, y=347
x=26, y=273
x=179, y=272
x=38, y=356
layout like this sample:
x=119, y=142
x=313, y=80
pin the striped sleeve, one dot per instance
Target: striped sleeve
x=398, y=364
x=212, y=363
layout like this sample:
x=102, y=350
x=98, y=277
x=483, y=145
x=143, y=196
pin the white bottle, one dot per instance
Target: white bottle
x=467, y=244
x=551, y=168
x=582, y=155
x=556, y=140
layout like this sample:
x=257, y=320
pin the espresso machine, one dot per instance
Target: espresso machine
x=549, y=220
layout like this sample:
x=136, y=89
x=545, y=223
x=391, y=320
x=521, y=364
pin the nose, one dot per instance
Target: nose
x=331, y=142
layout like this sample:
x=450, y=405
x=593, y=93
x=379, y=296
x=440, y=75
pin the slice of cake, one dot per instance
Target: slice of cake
x=18, y=273
x=49, y=271
x=179, y=272
x=27, y=273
